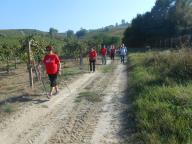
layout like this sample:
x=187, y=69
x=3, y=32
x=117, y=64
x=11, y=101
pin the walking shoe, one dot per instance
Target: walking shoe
x=49, y=96
x=57, y=93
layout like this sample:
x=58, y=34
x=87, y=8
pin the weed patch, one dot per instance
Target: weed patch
x=89, y=96
x=8, y=108
x=108, y=68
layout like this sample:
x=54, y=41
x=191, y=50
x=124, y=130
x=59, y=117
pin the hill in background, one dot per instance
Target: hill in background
x=111, y=30
x=21, y=32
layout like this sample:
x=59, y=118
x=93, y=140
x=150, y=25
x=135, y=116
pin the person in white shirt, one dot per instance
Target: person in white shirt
x=123, y=53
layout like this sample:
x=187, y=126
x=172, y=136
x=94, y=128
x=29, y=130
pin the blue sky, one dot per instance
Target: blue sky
x=69, y=14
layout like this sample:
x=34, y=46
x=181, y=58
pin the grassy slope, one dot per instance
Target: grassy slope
x=20, y=32
x=113, y=32
x=161, y=87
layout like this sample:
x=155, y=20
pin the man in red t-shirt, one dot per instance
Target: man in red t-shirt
x=103, y=54
x=92, y=59
x=52, y=65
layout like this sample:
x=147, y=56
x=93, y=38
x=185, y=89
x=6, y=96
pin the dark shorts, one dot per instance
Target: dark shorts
x=53, y=79
x=112, y=55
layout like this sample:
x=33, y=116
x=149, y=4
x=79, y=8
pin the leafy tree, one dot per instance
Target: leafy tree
x=82, y=46
x=82, y=32
x=122, y=21
x=183, y=14
x=70, y=34
x=95, y=41
x=53, y=32
x=75, y=48
x=70, y=48
x=168, y=18
x=106, y=29
x=115, y=40
x=16, y=52
x=6, y=55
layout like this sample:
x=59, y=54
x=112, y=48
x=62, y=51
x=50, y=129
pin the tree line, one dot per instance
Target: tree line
x=167, y=20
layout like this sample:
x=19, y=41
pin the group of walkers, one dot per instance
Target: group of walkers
x=53, y=65
x=122, y=52
x=104, y=51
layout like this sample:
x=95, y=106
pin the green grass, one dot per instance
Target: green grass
x=89, y=96
x=108, y=68
x=69, y=73
x=112, y=32
x=8, y=108
x=161, y=89
x=45, y=106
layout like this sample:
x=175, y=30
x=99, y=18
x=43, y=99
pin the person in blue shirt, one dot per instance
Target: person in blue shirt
x=123, y=53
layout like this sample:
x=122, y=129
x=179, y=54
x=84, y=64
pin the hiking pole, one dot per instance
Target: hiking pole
x=67, y=86
x=41, y=79
x=88, y=63
x=44, y=87
x=65, y=83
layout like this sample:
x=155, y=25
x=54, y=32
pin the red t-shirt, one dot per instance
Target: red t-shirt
x=113, y=51
x=51, y=62
x=103, y=51
x=92, y=55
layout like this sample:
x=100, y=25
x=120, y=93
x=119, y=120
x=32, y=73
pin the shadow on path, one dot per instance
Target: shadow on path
x=127, y=130
x=35, y=99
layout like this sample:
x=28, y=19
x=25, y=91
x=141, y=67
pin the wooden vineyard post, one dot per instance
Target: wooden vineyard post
x=30, y=65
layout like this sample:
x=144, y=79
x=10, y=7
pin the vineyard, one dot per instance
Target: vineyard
x=28, y=51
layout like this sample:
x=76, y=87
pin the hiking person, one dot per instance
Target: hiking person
x=103, y=54
x=123, y=52
x=92, y=59
x=52, y=65
x=112, y=52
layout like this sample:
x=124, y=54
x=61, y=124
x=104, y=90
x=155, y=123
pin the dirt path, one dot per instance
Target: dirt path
x=114, y=124
x=64, y=120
